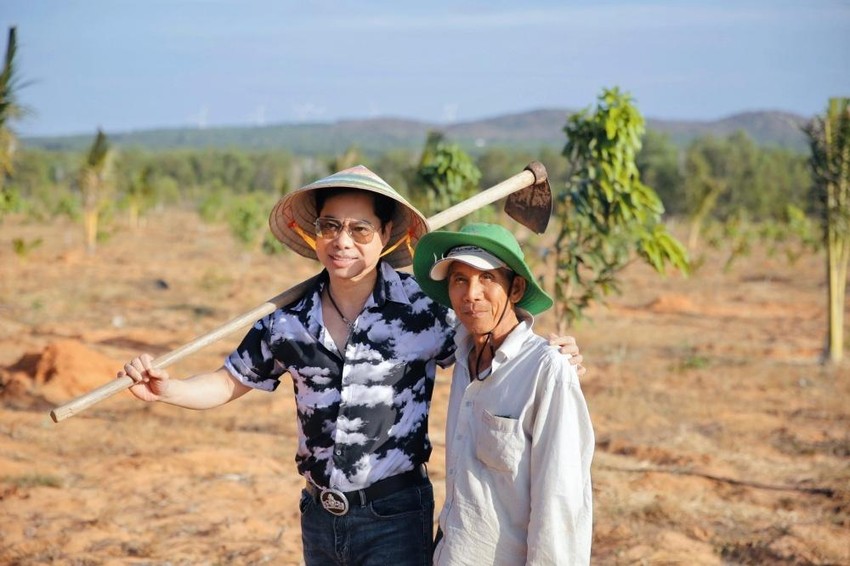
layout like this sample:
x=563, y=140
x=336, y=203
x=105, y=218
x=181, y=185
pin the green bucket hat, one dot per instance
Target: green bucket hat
x=492, y=238
x=292, y=218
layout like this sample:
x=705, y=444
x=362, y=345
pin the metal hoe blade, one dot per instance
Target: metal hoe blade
x=532, y=206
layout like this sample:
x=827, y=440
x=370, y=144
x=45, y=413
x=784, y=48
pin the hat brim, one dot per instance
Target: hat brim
x=298, y=209
x=479, y=259
x=434, y=246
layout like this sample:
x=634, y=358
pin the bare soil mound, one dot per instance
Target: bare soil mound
x=62, y=370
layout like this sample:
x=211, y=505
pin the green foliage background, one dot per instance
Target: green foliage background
x=731, y=189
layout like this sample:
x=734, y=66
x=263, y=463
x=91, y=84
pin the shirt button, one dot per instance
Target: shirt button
x=338, y=452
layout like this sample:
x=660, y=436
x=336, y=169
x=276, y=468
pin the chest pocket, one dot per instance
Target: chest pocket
x=499, y=442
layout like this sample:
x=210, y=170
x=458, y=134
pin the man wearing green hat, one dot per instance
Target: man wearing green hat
x=361, y=347
x=519, y=440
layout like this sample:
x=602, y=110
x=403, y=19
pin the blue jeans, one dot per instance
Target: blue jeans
x=397, y=529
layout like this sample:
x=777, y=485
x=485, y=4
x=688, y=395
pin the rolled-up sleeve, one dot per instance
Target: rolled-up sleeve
x=252, y=362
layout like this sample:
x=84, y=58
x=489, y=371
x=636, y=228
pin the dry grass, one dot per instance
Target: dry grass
x=721, y=440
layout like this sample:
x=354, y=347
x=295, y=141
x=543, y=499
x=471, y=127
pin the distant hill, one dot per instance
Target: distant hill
x=779, y=129
x=527, y=130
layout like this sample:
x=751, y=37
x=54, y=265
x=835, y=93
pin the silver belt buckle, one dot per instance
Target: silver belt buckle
x=334, y=501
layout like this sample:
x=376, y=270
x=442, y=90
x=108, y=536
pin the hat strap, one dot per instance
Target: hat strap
x=308, y=239
x=405, y=240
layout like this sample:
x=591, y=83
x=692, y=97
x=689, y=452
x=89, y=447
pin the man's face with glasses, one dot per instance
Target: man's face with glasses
x=349, y=241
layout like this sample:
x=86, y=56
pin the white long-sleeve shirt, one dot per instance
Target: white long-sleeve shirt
x=519, y=445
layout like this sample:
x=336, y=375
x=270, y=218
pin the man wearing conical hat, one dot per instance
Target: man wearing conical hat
x=361, y=348
x=519, y=441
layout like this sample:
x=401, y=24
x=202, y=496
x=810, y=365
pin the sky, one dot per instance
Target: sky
x=128, y=65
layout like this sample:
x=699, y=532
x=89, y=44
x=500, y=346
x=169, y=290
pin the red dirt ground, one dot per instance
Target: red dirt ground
x=720, y=437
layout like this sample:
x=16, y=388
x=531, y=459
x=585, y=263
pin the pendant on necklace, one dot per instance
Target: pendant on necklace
x=347, y=322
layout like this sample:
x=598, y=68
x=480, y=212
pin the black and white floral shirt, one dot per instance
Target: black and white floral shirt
x=362, y=413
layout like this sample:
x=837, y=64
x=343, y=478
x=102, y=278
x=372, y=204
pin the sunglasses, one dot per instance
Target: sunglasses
x=361, y=231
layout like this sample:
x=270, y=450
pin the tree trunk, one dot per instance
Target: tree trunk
x=838, y=253
x=133, y=216
x=90, y=230
x=702, y=212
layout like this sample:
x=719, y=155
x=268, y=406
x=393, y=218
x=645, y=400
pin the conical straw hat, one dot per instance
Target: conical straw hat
x=292, y=219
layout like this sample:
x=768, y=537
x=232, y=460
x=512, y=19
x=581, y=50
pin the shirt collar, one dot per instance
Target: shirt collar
x=388, y=287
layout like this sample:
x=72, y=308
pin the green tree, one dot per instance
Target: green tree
x=42, y=182
x=705, y=182
x=349, y=158
x=271, y=172
x=140, y=195
x=557, y=167
x=829, y=139
x=449, y=174
x=432, y=140
x=248, y=219
x=658, y=163
x=782, y=179
x=420, y=190
x=497, y=164
x=95, y=182
x=731, y=179
x=398, y=168
x=10, y=110
x=606, y=215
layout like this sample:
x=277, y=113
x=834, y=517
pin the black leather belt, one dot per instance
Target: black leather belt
x=337, y=502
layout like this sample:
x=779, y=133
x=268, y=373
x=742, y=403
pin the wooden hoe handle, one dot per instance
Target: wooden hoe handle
x=534, y=173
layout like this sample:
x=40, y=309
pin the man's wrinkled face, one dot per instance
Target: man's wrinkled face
x=480, y=297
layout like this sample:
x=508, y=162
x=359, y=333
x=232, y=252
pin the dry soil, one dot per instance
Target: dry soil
x=721, y=439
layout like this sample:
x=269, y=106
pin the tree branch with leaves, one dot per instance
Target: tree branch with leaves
x=606, y=216
x=448, y=173
x=10, y=111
